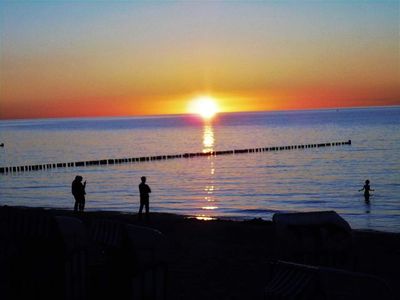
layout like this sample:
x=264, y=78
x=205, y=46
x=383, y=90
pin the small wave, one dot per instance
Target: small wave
x=278, y=166
x=254, y=211
x=38, y=187
x=308, y=202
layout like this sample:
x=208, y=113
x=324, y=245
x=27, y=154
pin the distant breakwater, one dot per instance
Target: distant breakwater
x=114, y=161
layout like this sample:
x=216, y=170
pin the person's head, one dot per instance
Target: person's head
x=367, y=181
x=78, y=178
x=143, y=178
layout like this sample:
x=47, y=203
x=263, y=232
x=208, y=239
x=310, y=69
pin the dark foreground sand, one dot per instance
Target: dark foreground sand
x=230, y=260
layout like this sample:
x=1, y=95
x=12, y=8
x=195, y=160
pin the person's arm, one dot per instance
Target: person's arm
x=361, y=189
x=149, y=189
x=83, y=188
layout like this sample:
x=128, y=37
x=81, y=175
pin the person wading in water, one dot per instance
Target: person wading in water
x=366, y=188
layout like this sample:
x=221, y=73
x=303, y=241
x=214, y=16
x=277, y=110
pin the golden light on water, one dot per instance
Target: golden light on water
x=209, y=189
x=204, y=218
x=209, y=207
x=205, y=106
x=208, y=138
x=208, y=146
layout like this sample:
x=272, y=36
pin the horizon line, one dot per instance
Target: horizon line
x=193, y=114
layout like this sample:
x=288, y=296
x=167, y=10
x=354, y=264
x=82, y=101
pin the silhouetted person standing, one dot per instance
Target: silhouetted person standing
x=366, y=188
x=144, y=191
x=78, y=190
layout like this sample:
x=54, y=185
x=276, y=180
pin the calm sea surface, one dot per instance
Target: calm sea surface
x=240, y=186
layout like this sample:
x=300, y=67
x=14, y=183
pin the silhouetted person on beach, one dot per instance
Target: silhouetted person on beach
x=78, y=190
x=366, y=188
x=144, y=190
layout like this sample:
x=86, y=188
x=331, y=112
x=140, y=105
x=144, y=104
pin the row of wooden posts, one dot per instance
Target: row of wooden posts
x=113, y=161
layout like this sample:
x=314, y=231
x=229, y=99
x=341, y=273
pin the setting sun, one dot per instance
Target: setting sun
x=205, y=106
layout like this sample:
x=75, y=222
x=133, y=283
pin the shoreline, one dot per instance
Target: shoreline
x=115, y=213
x=225, y=259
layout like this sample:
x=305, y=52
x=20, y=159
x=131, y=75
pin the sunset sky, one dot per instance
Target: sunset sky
x=123, y=58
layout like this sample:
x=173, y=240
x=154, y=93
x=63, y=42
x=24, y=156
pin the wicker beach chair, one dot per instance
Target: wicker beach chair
x=150, y=279
x=110, y=263
x=316, y=238
x=291, y=281
x=128, y=263
x=41, y=257
x=345, y=285
x=75, y=240
x=297, y=281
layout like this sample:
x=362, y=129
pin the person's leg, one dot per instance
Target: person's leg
x=141, y=209
x=366, y=197
x=82, y=208
x=76, y=204
x=147, y=210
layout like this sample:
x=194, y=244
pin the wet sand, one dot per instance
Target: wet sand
x=222, y=259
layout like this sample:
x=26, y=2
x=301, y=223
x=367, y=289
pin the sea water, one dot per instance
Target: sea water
x=240, y=186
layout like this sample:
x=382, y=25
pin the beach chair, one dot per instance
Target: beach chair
x=110, y=262
x=151, y=268
x=75, y=239
x=316, y=238
x=41, y=257
x=129, y=262
x=345, y=285
x=291, y=281
x=297, y=281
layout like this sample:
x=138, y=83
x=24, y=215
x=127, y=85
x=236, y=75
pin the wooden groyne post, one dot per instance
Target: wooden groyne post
x=112, y=161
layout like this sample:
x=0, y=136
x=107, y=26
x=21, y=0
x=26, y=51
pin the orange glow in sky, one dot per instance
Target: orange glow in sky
x=87, y=59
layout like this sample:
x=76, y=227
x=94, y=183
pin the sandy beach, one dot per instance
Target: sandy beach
x=222, y=259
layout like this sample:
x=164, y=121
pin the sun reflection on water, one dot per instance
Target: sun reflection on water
x=209, y=188
x=204, y=218
x=209, y=207
x=208, y=138
x=208, y=146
